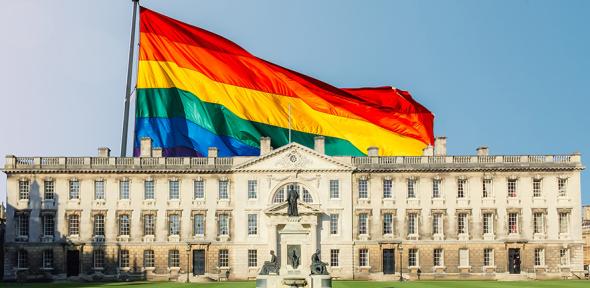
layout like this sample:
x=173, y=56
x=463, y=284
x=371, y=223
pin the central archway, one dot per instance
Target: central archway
x=281, y=193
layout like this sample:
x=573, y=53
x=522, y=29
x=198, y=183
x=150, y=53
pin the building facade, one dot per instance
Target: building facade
x=586, y=235
x=193, y=219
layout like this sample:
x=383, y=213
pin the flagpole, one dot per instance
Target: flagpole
x=129, y=76
x=289, y=122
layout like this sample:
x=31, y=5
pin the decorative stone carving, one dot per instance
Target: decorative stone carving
x=317, y=267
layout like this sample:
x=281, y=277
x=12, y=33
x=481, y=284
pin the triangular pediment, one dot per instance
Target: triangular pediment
x=302, y=207
x=293, y=157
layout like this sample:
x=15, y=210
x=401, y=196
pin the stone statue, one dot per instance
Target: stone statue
x=292, y=197
x=294, y=259
x=271, y=266
x=317, y=267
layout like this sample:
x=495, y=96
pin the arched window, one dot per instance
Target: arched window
x=281, y=193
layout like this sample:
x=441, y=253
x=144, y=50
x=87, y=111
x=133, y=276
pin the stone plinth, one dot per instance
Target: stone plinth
x=294, y=235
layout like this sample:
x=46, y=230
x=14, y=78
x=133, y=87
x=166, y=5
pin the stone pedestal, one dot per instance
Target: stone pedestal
x=321, y=281
x=295, y=237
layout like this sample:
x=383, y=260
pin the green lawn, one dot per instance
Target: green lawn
x=337, y=284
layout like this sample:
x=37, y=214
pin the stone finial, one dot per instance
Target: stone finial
x=145, y=147
x=373, y=151
x=157, y=152
x=319, y=144
x=428, y=151
x=265, y=147
x=440, y=146
x=104, y=152
x=212, y=152
x=482, y=151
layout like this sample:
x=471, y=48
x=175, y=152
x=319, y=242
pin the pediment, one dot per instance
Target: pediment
x=302, y=207
x=293, y=157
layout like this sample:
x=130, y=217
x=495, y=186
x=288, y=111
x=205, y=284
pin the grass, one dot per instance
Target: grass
x=337, y=284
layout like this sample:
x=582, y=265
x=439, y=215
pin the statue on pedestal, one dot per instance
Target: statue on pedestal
x=294, y=259
x=317, y=267
x=271, y=266
x=292, y=197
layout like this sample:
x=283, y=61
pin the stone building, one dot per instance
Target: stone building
x=472, y=217
x=2, y=231
x=586, y=234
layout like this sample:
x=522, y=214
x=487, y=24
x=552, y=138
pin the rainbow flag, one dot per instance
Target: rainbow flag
x=196, y=89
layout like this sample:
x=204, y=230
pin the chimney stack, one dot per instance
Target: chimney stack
x=104, y=152
x=145, y=147
x=319, y=144
x=212, y=152
x=373, y=151
x=157, y=152
x=482, y=151
x=265, y=147
x=440, y=146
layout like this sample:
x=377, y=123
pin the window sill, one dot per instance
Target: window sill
x=98, y=269
x=46, y=269
x=149, y=238
x=47, y=239
x=173, y=238
x=124, y=269
x=148, y=269
x=123, y=238
x=21, y=269
x=174, y=269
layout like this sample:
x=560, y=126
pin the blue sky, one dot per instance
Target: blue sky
x=507, y=74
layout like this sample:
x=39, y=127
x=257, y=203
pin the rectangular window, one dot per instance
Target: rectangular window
x=538, y=225
x=412, y=223
x=252, y=189
x=564, y=257
x=174, y=224
x=334, y=189
x=563, y=222
x=173, y=190
x=99, y=225
x=333, y=224
x=48, y=225
x=363, y=224
x=537, y=188
x=199, y=224
x=334, y=257
x=74, y=191
x=223, y=193
x=99, y=190
x=437, y=257
x=47, y=259
x=488, y=226
x=562, y=187
x=487, y=188
x=463, y=257
x=223, y=224
x=199, y=189
x=23, y=189
x=173, y=258
x=22, y=225
x=437, y=224
x=149, y=224
x=124, y=225
x=436, y=188
x=363, y=257
x=388, y=223
x=148, y=190
x=223, y=258
x=513, y=223
x=124, y=190
x=74, y=224
x=462, y=223
x=511, y=187
x=98, y=258
x=363, y=189
x=252, y=224
x=488, y=257
x=22, y=259
x=411, y=188
x=48, y=189
x=539, y=257
x=387, y=187
x=461, y=188
x=252, y=258
x=124, y=258
x=413, y=257
x=148, y=258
